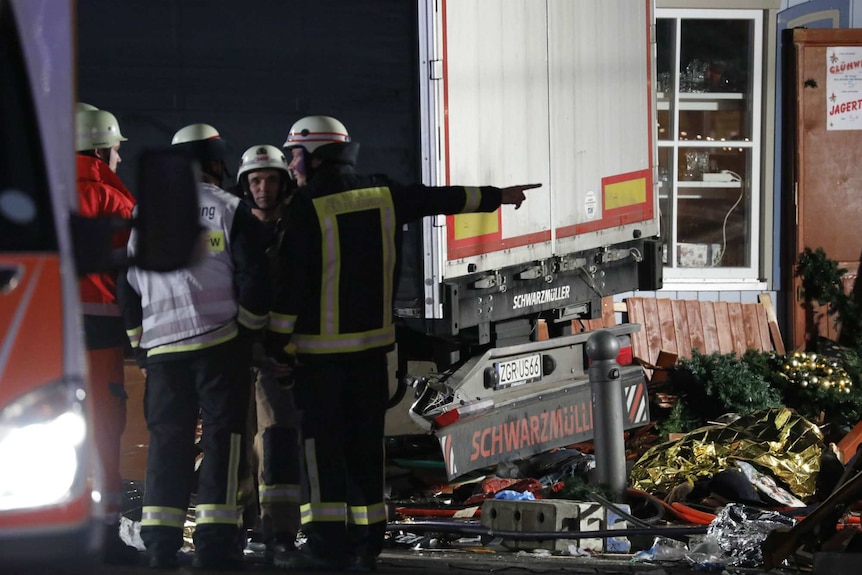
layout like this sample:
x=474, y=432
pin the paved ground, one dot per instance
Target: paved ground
x=470, y=556
x=450, y=562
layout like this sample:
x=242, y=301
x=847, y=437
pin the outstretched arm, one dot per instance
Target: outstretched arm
x=417, y=200
x=515, y=194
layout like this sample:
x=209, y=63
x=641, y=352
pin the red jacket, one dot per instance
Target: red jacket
x=101, y=193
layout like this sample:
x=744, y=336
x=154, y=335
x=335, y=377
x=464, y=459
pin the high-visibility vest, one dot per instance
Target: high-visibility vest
x=194, y=307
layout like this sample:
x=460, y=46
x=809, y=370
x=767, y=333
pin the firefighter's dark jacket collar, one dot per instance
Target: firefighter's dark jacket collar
x=338, y=153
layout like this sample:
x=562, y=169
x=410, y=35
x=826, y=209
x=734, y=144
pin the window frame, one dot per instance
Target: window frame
x=743, y=276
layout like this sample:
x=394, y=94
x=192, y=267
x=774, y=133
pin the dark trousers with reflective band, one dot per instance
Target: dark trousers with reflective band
x=276, y=450
x=213, y=384
x=343, y=406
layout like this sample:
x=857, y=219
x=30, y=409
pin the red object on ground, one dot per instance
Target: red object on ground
x=850, y=442
x=424, y=512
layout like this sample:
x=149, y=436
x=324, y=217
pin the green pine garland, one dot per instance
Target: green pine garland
x=707, y=386
x=821, y=282
x=826, y=385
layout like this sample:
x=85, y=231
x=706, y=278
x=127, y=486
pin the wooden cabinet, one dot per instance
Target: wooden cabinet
x=823, y=175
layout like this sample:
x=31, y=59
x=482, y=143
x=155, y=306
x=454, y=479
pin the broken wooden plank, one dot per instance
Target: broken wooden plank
x=653, y=327
x=542, y=330
x=711, y=342
x=681, y=328
x=695, y=325
x=640, y=346
x=609, y=318
x=737, y=327
x=777, y=342
x=666, y=325
x=663, y=364
x=850, y=443
x=752, y=331
x=722, y=327
x=763, y=328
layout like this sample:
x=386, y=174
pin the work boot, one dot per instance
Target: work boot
x=159, y=560
x=361, y=564
x=279, y=544
x=217, y=562
x=304, y=561
x=116, y=550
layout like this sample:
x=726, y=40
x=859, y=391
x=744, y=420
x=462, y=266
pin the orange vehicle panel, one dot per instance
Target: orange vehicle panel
x=31, y=321
x=68, y=514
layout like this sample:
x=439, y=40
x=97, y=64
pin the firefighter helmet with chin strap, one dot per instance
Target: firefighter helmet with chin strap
x=95, y=130
x=263, y=157
x=204, y=144
x=313, y=132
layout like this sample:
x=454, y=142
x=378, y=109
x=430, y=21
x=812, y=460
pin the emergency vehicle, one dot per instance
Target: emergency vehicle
x=50, y=510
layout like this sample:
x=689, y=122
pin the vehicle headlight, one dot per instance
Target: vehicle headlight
x=42, y=436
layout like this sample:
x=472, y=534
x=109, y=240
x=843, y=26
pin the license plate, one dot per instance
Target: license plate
x=520, y=370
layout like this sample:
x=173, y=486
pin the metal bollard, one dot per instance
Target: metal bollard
x=603, y=349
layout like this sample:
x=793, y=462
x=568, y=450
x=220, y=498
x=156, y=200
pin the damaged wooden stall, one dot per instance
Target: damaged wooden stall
x=671, y=328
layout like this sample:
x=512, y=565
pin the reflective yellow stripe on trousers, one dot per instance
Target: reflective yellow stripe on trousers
x=163, y=516
x=279, y=493
x=227, y=512
x=315, y=509
x=366, y=514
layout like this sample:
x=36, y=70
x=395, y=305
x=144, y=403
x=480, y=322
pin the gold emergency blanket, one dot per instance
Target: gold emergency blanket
x=776, y=439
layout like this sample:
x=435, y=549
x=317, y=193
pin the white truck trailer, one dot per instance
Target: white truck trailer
x=551, y=91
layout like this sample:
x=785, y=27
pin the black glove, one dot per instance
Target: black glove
x=140, y=357
x=274, y=345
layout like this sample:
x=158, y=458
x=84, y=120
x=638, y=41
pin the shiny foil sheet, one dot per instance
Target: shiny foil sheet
x=778, y=440
x=740, y=530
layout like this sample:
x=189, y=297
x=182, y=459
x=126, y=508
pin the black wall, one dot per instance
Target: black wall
x=251, y=68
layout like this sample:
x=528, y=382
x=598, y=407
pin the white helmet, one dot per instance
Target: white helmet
x=312, y=132
x=96, y=129
x=194, y=133
x=262, y=157
x=201, y=141
x=82, y=107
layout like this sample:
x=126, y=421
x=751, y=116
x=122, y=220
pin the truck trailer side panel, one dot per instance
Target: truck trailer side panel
x=523, y=91
x=545, y=92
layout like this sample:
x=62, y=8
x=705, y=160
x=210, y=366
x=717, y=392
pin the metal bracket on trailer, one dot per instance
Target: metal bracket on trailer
x=520, y=400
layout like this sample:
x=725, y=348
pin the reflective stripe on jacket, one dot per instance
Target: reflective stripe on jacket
x=340, y=258
x=200, y=306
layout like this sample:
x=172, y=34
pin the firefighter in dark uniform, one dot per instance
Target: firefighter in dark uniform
x=265, y=184
x=191, y=329
x=334, y=303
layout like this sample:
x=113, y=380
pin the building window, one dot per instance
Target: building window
x=709, y=111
